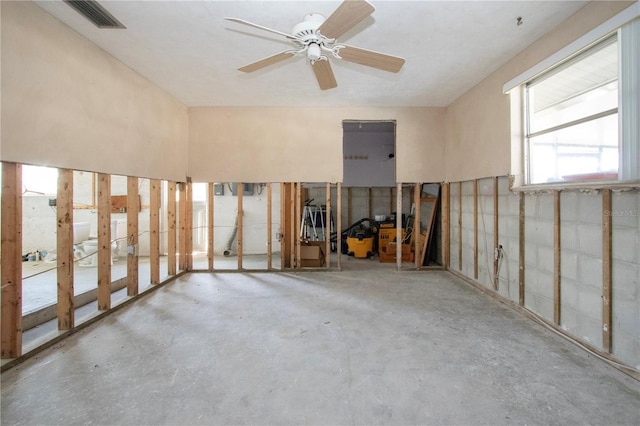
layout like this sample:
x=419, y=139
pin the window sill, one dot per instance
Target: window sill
x=579, y=186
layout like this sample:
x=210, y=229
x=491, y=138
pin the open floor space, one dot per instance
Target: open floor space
x=352, y=347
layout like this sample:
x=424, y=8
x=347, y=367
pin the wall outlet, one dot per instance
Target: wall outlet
x=52, y=202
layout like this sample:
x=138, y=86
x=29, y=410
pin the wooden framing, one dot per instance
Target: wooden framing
x=64, y=214
x=416, y=226
x=239, y=239
x=475, y=229
x=327, y=227
x=133, y=201
x=391, y=201
x=154, y=230
x=188, y=226
x=370, y=202
x=460, y=226
x=11, y=270
x=432, y=218
x=496, y=234
x=556, y=258
x=521, y=254
x=399, y=226
x=339, y=224
x=293, y=231
x=182, y=225
x=286, y=253
x=607, y=268
x=210, y=224
x=171, y=228
x=298, y=216
x=349, y=206
x=269, y=229
x=104, y=241
x=446, y=224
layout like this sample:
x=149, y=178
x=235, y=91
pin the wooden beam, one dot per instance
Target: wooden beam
x=189, y=227
x=327, y=225
x=460, y=226
x=298, y=216
x=556, y=258
x=475, y=229
x=210, y=223
x=607, y=268
x=496, y=234
x=370, y=198
x=446, y=224
x=521, y=254
x=104, y=241
x=349, y=206
x=416, y=226
x=339, y=224
x=154, y=230
x=391, y=201
x=239, y=240
x=427, y=237
x=293, y=231
x=269, y=228
x=133, y=203
x=11, y=270
x=171, y=225
x=182, y=226
x=285, y=221
x=64, y=252
x=399, y=226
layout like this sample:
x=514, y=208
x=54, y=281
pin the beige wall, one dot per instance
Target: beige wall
x=277, y=144
x=67, y=103
x=478, y=123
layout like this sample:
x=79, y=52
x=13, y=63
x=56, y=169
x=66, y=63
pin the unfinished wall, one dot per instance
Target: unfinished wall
x=67, y=103
x=580, y=305
x=478, y=123
x=275, y=144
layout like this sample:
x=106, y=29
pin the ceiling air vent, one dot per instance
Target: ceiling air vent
x=95, y=13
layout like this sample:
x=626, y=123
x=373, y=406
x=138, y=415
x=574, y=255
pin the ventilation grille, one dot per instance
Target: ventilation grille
x=95, y=13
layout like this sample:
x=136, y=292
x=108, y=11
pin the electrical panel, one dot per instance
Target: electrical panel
x=218, y=189
x=247, y=189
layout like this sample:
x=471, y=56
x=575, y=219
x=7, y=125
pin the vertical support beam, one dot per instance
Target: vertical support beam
x=349, y=206
x=460, y=226
x=475, y=229
x=189, y=226
x=11, y=270
x=240, y=225
x=399, y=226
x=298, y=217
x=446, y=224
x=339, y=224
x=556, y=258
x=182, y=226
x=607, y=268
x=64, y=213
x=417, y=197
x=104, y=241
x=210, y=223
x=269, y=228
x=171, y=225
x=133, y=205
x=327, y=225
x=496, y=239
x=370, y=197
x=154, y=230
x=521, y=257
x=293, y=231
x=391, y=201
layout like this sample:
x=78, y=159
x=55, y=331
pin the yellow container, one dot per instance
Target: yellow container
x=360, y=247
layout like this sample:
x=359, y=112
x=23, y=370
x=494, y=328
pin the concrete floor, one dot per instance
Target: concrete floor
x=353, y=347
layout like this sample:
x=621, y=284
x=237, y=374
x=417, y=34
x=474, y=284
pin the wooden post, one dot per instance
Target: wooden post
x=521, y=257
x=188, y=225
x=391, y=201
x=349, y=206
x=399, y=226
x=417, y=198
x=607, y=268
x=370, y=203
x=171, y=225
x=556, y=258
x=460, y=226
x=339, y=224
x=293, y=231
x=446, y=225
x=64, y=213
x=269, y=230
x=298, y=216
x=154, y=228
x=239, y=240
x=496, y=239
x=327, y=225
x=104, y=241
x=11, y=270
x=210, y=223
x=133, y=206
x=182, y=221
x=475, y=229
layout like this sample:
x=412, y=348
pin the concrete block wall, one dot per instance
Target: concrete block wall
x=581, y=265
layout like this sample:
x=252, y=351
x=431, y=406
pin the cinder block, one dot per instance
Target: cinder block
x=591, y=330
x=590, y=302
x=530, y=206
x=545, y=206
x=545, y=259
x=530, y=255
x=590, y=208
x=569, y=235
x=626, y=244
x=569, y=319
x=626, y=280
x=544, y=285
x=590, y=272
x=626, y=348
x=590, y=239
x=626, y=209
x=569, y=292
x=568, y=264
x=626, y=317
x=569, y=206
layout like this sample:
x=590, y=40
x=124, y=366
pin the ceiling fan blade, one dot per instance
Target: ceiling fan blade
x=349, y=14
x=251, y=24
x=270, y=60
x=371, y=58
x=324, y=75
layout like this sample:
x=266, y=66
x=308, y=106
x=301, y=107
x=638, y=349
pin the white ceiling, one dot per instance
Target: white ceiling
x=188, y=49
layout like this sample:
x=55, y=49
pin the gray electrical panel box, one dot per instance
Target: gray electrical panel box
x=247, y=189
x=218, y=189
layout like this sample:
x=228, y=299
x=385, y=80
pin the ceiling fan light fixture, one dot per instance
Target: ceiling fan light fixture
x=313, y=52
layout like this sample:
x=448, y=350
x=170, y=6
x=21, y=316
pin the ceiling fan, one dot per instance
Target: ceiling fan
x=317, y=37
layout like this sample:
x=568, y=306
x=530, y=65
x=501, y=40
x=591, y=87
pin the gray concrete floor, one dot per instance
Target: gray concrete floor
x=353, y=347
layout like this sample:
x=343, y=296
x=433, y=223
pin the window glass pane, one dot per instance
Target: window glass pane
x=584, y=87
x=587, y=151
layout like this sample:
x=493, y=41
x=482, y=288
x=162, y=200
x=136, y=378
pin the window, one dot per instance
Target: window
x=580, y=115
